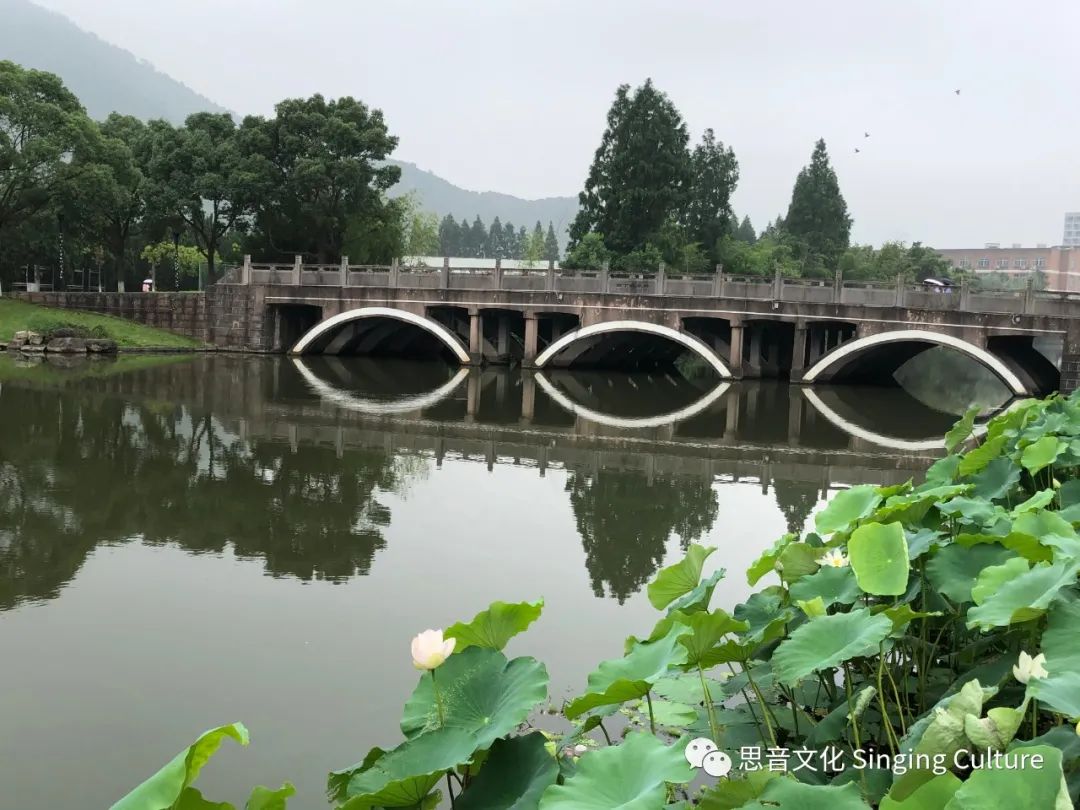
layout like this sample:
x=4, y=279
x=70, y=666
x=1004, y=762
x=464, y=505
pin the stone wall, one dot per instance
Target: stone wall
x=229, y=317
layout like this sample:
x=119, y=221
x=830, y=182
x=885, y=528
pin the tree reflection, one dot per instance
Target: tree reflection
x=625, y=522
x=796, y=500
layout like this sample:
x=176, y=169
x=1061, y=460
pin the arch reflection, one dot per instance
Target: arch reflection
x=390, y=402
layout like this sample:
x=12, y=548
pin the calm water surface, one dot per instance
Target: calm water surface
x=189, y=542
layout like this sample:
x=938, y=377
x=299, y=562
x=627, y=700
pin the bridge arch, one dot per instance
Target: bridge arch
x=849, y=355
x=335, y=323
x=687, y=340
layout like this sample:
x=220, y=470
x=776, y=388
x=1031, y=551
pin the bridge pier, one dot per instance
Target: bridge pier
x=476, y=334
x=735, y=364
x=531, y=339
x=1070, y=359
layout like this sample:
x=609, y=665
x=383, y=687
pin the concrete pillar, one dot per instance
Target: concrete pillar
x=245, y=273
x=718, y=281
x=444, y=273
x=965, y=295
x=795, y=411
x=778, y=286
x=496, y=277
x=476, y=332
x=798, y=349
x=531, y=336
x=395, y=269
x=345, y=271
x=472, y=396
x=502, y=342
x=440, y=452
x=731, y=425
x=899, y=289
x=549, y=281
x=1029, y=296
x=661, y=279
x=605, y=271
x=736, y=353
x=838, y=287
x=297, y=270
x=528, y=398
x=542, y=460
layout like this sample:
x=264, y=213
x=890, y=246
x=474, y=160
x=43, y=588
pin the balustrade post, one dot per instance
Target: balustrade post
x=395, y=268
x=778, y=285
x=344, y=271
x=549, y=281
x=798, y=350
x=965, y=295
x=838, y=286
x=444, y=273
x=661, y=279
x=1029, y=296
x=718, y=281
x=899, y=289
x=496, y=278
x=476, y=334
x=245, y=271
x=605, y=270
x=297, y=270
x=736, y=348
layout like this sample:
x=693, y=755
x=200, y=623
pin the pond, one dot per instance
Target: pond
x=186, y=542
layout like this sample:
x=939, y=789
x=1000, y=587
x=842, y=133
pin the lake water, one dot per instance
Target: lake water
x=186, y=542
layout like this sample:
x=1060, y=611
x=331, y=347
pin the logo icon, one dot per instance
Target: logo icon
x=703, y=753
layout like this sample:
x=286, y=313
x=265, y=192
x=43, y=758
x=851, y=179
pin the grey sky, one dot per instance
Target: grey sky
x=511, y=96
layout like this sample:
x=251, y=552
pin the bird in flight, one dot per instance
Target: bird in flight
x=957, y=91
x=866, y=134
x=857, y=150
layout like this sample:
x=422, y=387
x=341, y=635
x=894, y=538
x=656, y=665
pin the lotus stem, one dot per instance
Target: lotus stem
x=652, y=721
x=709, y=709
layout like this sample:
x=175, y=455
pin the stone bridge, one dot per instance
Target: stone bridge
x=805, y=330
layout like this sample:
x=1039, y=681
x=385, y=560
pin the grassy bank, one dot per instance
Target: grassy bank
x=41, y=370
x=18, y=315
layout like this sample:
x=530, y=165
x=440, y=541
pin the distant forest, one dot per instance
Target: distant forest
x=497, y=241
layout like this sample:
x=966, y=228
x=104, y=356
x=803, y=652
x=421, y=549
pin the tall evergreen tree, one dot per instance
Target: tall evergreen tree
x=496, y=247
x=746, y=232
x=510, y=240
x=551, y=245
x=640, y=174
x=449, y=237
x=465, y=240
x=478, y=238
x=818, y=216
x=714, y=173
x=521, y=243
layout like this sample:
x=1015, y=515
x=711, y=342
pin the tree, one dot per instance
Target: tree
x=125, y=151
x=521, y=242
x=449, y=237
x=640, y=175
x=551, y=245
x=163, y=254
x=45, y=139
x=478, y=238
x=714, y=174
x=745, y=232
x=199, y=177
x=510, y=240
x=495, y=246
x=590, y=253
x=327, y=171
x=534, y=245
x=467, y=246
x=818, y=216
x=423, y=235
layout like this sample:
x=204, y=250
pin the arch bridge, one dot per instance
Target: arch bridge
x=808, y=331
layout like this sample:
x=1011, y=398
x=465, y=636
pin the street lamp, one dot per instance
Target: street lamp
x=176, y=257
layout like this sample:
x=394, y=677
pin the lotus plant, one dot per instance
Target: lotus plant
x=1028, y=667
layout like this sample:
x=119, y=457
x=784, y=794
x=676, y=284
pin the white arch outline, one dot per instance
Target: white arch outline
x=687, y=340
x=376, y=407
x=431, y=326
x=567, y=404
x=859, y=344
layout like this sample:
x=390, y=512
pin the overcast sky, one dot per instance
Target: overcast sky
x=512, y=96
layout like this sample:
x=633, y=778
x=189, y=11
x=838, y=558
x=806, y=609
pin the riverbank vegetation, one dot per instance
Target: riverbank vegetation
x=916, y=651
x=16, y=316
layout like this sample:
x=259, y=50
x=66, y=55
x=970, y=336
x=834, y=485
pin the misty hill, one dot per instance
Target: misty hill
x=443, y=198
x=103, y=76
x=109, y=79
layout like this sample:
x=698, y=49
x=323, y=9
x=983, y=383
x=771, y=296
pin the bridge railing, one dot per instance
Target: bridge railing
x=662, y=282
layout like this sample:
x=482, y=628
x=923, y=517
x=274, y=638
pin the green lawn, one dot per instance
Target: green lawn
x=18, y=315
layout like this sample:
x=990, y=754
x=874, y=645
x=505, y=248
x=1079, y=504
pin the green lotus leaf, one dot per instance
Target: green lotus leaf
x=164, y=788
x=630, y=776
x=878, y=555
x=921, y=541
x=1060, y=690
x=828, y=641
x=955, y=568
x=912, y=508
x=789, y=794
x=847, y=507
x=482, y=693
x=812, y=607
x=1041, y=523
x=797, y=560
x=517, y=772
x=263, y=798
x=996, y=730
x=1041, y=453
x=1037, y=501
x=706, y=631
x=832, y=585
x=766, y=561
x=933, y=795
x=994, y=576
x=735, y=792
x=959, y=432
x=678, y=579
x=999, y=477
x=944, y=470
x=495, y=626
x=902, y=615
x=699, y=597
x=1024, y=545
x=686, y=688
x=404, y=776
x=1069, y=493
x=973, y=511
x=976, y=459
x=632, y=676
x=670, y=714
x=1024, y=786
x=765, y=617
x=1023, y=598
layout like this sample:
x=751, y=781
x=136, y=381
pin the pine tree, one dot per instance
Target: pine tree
x=551, y=245
x=495, y=247
x=509, y=239
x=449, y=237
x=640, y=174
x=746, y=232
x=478, y=235
x=715, y=171
x=818, y=216
x=521, y=243
x=465, y=240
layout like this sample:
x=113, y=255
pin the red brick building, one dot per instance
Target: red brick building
x=1060, y=264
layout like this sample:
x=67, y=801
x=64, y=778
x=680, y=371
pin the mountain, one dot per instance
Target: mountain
x=103, y=76
x=443, y=198
x=107, y=79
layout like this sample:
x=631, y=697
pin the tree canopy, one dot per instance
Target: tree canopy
x=817, y=217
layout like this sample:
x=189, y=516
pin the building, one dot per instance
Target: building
x=1060, y=264
x=1072, y=229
